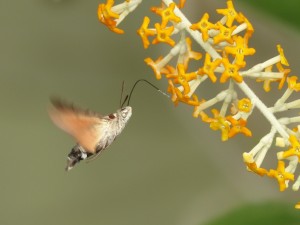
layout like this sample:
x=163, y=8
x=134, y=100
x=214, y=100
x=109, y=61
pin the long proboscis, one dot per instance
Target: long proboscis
x=128, y=97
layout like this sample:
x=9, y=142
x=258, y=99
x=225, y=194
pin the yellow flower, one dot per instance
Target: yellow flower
x=107, y=16
x=239, y=50
x=244, y=105
x=175, y=93
x=173, y=90
x=238, y=126
x=209, y=67
x=267, y=82
x=190, y=54
x=204, y=26
x=252, y=166
x=163, y=35
x=293, y=151
x=219, y=123
x=285, y=75
x=167, y=14
x=168, y=69
x=231, y=71
x=193, y=101
x=230, y=13
x=205, y=118
x=297, y=206
x=177, y=96
x=250, y=29
x=283, y=60
x=225, y=34
x=144, y=32
x=292, y=83
x=155, y=66
x=183, y=78
x=281, y=175
x=106, y=13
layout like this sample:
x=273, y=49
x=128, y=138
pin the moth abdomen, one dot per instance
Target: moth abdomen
x=75, y=156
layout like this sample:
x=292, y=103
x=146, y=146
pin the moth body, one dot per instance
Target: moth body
x=93, y=132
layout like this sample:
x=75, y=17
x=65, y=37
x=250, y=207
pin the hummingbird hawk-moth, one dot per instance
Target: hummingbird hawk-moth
x=92, y=131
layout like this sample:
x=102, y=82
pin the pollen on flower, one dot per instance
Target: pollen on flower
x=220, y=123
x=231, y=71
x=204, y=26
x=163, y=35
x=281, y=175
x=225, y=34
x=167, y=14
x=240, y=50
x=245, y=105
x=230, y=13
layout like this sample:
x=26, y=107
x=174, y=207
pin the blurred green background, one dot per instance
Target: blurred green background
x=166, y=167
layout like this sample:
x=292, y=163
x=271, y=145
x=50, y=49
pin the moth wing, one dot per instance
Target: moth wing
x=84, y=126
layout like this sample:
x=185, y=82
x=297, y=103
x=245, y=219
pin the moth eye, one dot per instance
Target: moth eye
x=111, y=116
x=124, y=114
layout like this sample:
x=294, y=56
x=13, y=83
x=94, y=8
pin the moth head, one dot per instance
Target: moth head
x=125, y=113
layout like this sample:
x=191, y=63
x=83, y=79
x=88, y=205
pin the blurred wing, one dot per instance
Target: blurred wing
x=84, y=126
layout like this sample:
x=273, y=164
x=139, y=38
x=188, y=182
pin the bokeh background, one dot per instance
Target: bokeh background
x=166, y=167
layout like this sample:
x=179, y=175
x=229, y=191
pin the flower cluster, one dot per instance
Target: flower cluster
x=225, y=45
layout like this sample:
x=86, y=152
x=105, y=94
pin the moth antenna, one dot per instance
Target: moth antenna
x=129, y=96
x=122, y=90
x=125, y=99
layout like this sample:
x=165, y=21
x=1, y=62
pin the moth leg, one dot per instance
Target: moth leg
x=94, y=156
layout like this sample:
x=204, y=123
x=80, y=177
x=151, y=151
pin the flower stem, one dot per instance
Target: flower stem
x=263, y=109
